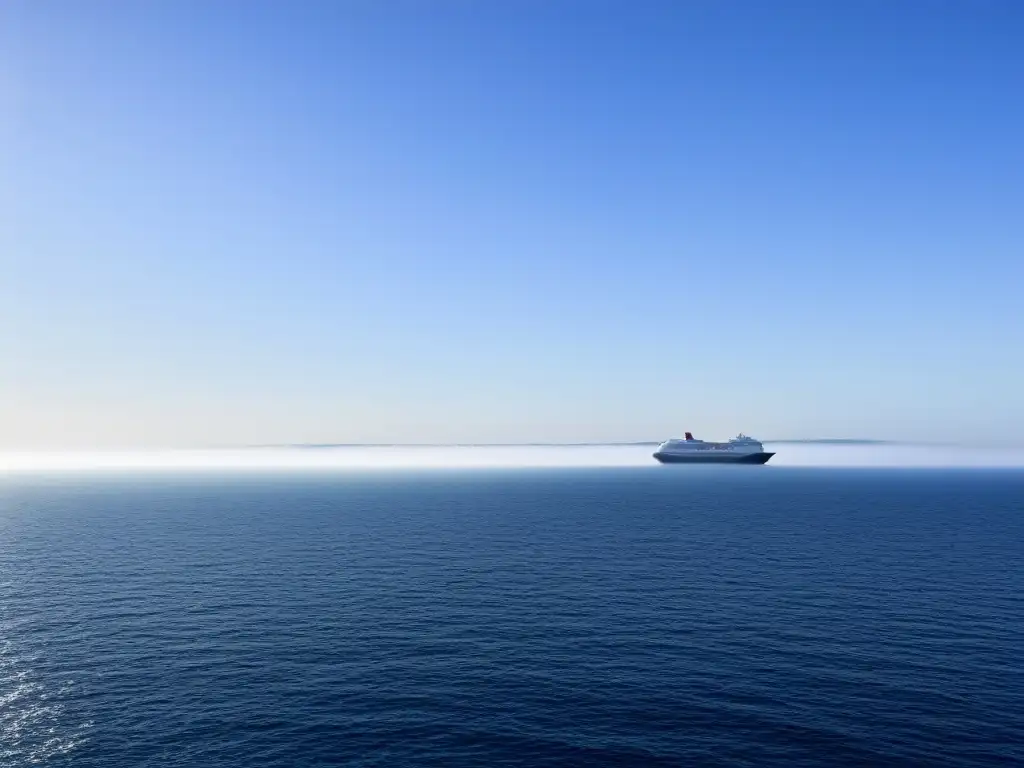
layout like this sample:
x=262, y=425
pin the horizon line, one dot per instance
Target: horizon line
x=552, y=444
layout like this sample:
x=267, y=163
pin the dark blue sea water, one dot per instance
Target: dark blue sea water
x=635, y=616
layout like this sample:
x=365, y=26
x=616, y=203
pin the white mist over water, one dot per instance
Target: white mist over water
x=348, y=458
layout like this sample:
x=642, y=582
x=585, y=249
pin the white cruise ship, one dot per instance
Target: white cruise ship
x=739, y=450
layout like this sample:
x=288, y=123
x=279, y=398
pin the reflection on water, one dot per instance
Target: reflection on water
x=33, y=723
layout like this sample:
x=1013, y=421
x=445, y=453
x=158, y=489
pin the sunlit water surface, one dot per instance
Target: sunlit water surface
x=541, y=606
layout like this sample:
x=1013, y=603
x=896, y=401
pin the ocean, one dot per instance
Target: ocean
x=512, y=616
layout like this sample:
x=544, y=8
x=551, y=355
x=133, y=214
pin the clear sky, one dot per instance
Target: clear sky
x=229, y=222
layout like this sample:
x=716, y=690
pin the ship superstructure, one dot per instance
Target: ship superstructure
x=688, y=450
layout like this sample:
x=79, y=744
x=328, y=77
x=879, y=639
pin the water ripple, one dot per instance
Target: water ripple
x=559, y=618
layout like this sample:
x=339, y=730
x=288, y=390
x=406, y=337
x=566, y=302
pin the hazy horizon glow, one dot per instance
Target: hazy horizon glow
x=483, y=457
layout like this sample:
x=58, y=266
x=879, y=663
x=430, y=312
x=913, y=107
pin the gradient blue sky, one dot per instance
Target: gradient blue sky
x=257, y=222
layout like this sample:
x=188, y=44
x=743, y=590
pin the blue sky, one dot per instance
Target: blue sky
x=254, y=222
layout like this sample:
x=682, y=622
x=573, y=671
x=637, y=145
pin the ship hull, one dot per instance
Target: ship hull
x=749, y=458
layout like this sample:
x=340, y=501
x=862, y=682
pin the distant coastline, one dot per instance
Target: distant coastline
x=810, y=441
x=832, y=441
x=450, y=445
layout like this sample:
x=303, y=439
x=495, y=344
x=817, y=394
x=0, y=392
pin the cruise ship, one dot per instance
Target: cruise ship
x=739, y=450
